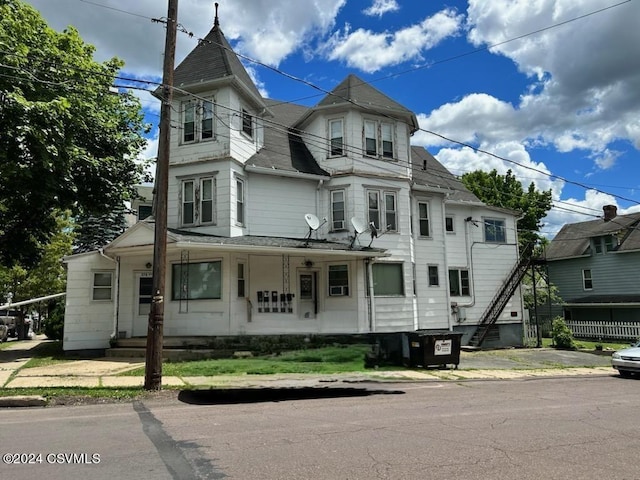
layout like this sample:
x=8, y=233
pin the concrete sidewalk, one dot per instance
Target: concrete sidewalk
x=484, y=365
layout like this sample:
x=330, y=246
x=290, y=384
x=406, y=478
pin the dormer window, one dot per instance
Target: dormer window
x=336, y=138
x=378, y=139
x=197, y=120
x=604, y=244
x=247, y=123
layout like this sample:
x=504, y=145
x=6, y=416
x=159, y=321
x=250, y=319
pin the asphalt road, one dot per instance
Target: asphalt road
x=578, y=428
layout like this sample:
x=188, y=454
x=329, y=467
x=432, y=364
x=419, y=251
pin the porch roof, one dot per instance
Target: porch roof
x=606, y=300
x=182, y=239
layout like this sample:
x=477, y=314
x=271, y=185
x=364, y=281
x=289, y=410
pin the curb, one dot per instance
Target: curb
x=23, y=401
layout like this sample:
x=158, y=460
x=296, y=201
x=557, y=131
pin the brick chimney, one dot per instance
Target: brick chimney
x=610, y=212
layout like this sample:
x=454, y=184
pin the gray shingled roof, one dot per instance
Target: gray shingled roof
x=428, y=172
x=212, y=59
x=283, y=150
x=573, y=239
x=354, y=91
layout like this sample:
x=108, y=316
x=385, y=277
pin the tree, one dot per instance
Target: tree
x=68, y=142
x=95, y=232
x=506, y=191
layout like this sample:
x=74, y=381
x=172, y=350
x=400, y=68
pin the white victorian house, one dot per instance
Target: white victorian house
x=272, y=214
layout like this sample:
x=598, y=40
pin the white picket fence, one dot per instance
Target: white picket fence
x=595, y=330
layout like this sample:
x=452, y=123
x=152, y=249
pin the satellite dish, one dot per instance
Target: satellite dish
x=358, y=225
x=312, y=221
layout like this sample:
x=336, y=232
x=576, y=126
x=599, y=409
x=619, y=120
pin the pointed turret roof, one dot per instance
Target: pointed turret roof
x=355, y=92
x=213, y=60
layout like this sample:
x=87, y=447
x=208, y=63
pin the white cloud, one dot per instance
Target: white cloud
x=380, y=7
x=370, y=51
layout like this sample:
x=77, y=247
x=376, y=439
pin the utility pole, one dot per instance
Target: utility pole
x=153, y=360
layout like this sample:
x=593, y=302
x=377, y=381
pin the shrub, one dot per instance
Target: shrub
x=54, y=324
x=562, y=335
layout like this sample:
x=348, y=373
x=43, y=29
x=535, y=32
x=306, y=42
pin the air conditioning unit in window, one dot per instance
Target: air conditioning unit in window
x=336, y=291
x=338, y=225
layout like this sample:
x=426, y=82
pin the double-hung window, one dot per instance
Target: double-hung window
x=338, y=210
x=587, y=280
x=239, y=201
x=198, y=201
x=378, y=139
x=434, y=279
x=336, y=138
x=338, y=280
x=459, y=282
x=494, y=230
x=449, y=225
x=423, y=215
x=247, y=123
x=102, y=286
x=382, y=206
x=197, y=120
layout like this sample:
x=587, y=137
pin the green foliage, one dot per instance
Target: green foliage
x=54, y=324
x=562, y=335
x=94, y=232
x=506, y=191
x=67, y=142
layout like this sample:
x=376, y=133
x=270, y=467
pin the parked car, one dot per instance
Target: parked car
x=627, y=361
x=8, y=322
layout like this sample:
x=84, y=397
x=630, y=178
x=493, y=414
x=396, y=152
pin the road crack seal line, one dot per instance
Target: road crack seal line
x=169, y=450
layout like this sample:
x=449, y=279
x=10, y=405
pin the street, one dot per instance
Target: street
x=582, y=428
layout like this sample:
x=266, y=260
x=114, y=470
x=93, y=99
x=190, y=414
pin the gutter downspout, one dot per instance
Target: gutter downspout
x=116, y=287
x=444, y=246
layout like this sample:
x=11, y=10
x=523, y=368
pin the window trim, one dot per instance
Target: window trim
x=430, y=277
x=197, y=200
x=247, y=123
x=175, y=295
x=402, y=288
x=373, y=123
x=240, y=201
x=200, y=114
x=333, y=209
x=344, y=289
x=450, y=218
x=490, y=222
x=241, y=279
x=95, y=287
x=421, y=219
x=382, y=211
x=333, y=151
x=587, y=278
x=463, y=282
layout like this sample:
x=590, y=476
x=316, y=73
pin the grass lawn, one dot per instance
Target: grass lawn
x=337, y=359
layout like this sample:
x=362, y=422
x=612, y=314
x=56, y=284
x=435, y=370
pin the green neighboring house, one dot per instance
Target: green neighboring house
x=596, y=268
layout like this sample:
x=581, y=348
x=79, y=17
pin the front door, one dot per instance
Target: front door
x=142, y=305
x=308, y=295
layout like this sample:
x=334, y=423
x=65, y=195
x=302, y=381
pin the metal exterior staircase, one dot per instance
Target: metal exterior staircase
x=499, y=301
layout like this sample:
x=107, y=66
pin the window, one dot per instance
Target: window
x=604, y=244
x=387, y=279
x=448, y=224
x=387, y=140
x=241, y=281
x=378, y=139
x=144, y=211
x=198, y=201
x=434, y=279
x=390, y=210
x=459, y=282
x=247, y=123
x=494, y=231
x=197, y=281
x=102, y=285
x=423, y=213
x=336, y=138
x=239, y=201
x=587, y=281
x=371, y=138
x=197, y=120
x=338, y=280
x=337, y=210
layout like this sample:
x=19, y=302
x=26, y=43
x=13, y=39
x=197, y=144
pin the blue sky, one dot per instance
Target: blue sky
x=547, y=88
